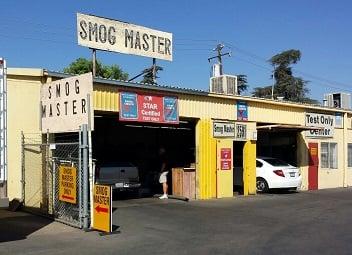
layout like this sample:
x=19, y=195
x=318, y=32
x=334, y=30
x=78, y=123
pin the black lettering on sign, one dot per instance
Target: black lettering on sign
x=111, y=35
x=67, y=88
x=83, y=105
x=102, y=33
x=153, y=42
x=77, y=86
x=58, y=93
x=128, y=38
x=43, y=111
x=160, y=44
x=65, y=103
x=74, y=107
x=58, y=109
x=167, y=46
x=145, y=42
x=83, y=32
x=49, y=90
x=93, y=32
x=50, y=111
x=138, y=41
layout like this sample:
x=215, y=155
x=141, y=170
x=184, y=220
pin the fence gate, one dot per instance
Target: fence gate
x=53, y=181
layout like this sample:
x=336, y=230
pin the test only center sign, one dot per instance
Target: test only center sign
x=148, y=108
x=66, y=104
x=325, y=125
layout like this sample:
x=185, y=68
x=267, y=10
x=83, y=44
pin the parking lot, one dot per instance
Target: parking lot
x=292, y=223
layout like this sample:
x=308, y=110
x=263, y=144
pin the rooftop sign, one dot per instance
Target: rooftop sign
x=112, y=35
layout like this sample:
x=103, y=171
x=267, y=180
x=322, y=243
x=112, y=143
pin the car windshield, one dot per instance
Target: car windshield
x=276, y=162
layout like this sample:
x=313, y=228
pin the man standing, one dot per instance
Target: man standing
x=164, y=170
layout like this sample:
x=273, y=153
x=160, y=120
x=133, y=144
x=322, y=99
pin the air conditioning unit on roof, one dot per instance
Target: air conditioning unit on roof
x=224, y=84
x=338, y=100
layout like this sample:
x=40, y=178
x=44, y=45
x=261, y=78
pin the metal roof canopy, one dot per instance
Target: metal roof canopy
x=286, y=127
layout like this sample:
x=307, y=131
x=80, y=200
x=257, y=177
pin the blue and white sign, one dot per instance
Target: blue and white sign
x=242, y=110
x=170, y=109
x=128, y=106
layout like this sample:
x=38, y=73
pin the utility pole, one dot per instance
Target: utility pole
x=154, y=71
x=219, y=56
x=272, y=86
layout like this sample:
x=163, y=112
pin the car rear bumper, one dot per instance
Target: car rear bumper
x=126, y=185
x=286, y=183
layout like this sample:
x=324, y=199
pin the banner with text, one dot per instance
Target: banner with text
x=148, y=108
x=66, y=104
x=325, y=125
x=113, y=35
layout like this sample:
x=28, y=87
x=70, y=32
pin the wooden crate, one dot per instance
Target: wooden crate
x=184, y=182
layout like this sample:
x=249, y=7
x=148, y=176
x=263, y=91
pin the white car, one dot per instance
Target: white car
x=273, y=173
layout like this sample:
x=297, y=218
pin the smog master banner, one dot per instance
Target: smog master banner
x=148, y=108
x=65, y=104
x=117, y=36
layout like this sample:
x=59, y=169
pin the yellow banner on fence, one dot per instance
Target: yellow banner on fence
x=68, y=184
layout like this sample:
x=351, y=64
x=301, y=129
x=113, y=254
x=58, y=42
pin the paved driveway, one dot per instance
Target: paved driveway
x=297, y=223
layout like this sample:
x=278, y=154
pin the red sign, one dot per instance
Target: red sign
x=148, y=108
x=225, y=158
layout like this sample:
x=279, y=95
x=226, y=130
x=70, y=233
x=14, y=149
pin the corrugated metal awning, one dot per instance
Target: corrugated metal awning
x=286, y=127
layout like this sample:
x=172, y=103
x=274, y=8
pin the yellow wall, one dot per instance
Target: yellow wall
x=23, y=115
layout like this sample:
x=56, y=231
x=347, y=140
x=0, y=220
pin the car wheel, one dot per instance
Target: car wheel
x=262, y=185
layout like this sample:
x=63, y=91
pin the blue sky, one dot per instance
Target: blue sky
x=43, y=34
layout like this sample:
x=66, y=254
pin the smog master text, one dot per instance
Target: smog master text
x=113, y=35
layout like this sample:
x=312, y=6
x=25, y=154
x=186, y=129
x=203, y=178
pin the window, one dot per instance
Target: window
x=259, y=164
x=349, y=156
x=328, y=155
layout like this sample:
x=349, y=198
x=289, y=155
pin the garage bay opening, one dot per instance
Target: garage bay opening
x=127, y=153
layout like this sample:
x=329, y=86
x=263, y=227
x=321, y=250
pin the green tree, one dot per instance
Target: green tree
x=286, y=85
x=83, y=65
x=242, y=84
x=148, y=75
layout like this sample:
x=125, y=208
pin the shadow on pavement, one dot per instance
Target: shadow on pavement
x=279, y=191
x=18, y=225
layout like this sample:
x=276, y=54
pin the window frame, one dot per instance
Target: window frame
x=329, y=155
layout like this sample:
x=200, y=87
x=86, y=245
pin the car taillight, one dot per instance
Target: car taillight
x=279, y=173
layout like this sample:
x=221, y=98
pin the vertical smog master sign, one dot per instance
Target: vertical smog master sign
x=112, y=35
x=66, y=104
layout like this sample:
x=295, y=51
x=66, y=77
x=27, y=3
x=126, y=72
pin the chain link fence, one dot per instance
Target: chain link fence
x=41, y=163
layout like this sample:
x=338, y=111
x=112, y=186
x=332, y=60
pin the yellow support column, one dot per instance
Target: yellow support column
x=249, y=168
x=205, y=160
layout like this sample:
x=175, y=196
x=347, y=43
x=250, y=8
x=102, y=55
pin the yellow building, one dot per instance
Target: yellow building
x=214, y=133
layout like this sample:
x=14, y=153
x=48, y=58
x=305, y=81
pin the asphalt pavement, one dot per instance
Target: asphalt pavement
x=314, y=222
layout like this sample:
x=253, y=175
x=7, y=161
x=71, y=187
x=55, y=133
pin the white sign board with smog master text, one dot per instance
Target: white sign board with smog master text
x=66, y=104
x=112, y=35
x=324, y=122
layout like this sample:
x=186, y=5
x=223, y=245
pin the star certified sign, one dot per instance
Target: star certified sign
x=112, y=35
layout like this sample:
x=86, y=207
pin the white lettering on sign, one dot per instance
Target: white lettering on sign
x=64, y=104
x=324, y=122
x=117, y=36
